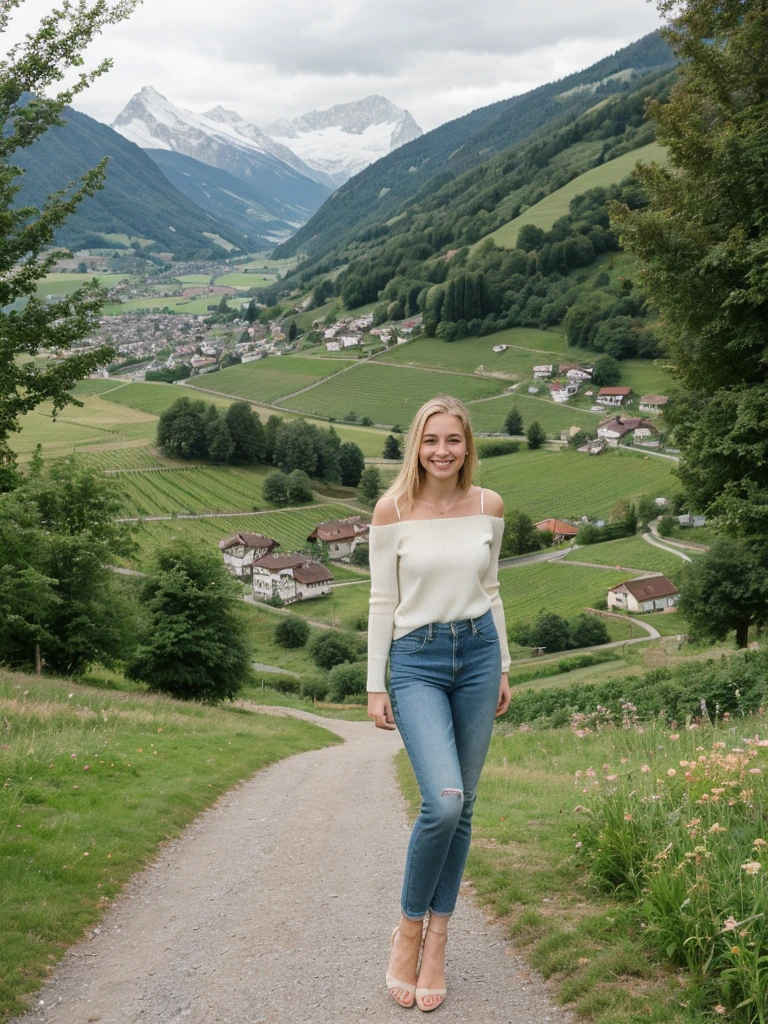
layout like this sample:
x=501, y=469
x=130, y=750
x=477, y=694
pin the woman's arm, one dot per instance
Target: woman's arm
x=495, y=507
x=384, y=593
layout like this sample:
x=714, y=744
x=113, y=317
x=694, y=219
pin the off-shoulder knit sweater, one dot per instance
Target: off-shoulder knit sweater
x=431, y=570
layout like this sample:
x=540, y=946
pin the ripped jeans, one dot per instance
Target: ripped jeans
x=444, y=689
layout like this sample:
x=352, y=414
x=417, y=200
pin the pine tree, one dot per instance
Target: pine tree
x=352, y=464
x=391, y=448
x=247, y=433
x=513, y=424
x=536, y=435
x=27, y=235
x=251, y=313
x=370, y=486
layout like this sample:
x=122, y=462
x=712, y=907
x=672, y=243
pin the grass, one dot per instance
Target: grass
x=522, y=868
x=191, y=490
x=176, y=303
x=385, y=393
x=556, y=205
x=155, y=398
x=96, y=782
x=528, y=346
x=489, y=417
x=245, y=280
x=266, y=379
x=569, y=484
x=633, y=552
x=63, y=284
x=554, y=587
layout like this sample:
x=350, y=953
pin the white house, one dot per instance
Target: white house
x=575, y=372
x=612, y=396
x=647, y=594
x=333, y=346
x=340, y=537
x=545, y=370
x=349, y=339
x=559, y=392
x=293, y=576
x=241, y=550
x=250, y=357
x=615, y=428
x=653, y=403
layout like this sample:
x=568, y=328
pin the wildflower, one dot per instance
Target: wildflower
x=755, y=771
x=644, y=768
x=735, y=950
x=719, y=745
x=751, y=867
x=73, y=755
x=624, y=760
x=578, y=775
x=611, y=778
x=628, y=817
x=674, y=736
x=718, y=789
x=606, y=767
x=759, y=842
x=720, y=1009
x=591, y=772
x=730, y=924
x=579, y=845
x=693, y=823
x=717, y=827
x=671, y=772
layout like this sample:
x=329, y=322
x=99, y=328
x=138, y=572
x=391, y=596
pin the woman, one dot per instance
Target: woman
x=435, y=613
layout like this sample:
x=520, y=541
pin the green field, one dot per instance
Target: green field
x=290, y=527
x=63, y=284
x=633, y=552
x=569, y=484
x=387, y=394
x=529, y=347
x=190, y=490
x=191, y=279
x=267, y=379
x=488, y=417
x=135, y=457
x=554, y=587
x=155, y=398
x=556, y=205
x=245, y=280
x=176, y=303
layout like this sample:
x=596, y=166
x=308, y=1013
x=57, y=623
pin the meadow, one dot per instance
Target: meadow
x=96, y=783
x=63, y=284
x=632, y=552
x=558, y=587
x=568, y=484
x=387, y=394
x=176, y=303
x=266, y=380
x=489, y=416
x=190, y=490
x=556, y=205
x=243, y=280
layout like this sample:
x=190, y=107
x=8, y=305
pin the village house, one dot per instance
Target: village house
x=241, y=550
x=340, y=537
x=349, y=338
x=293, y=576
x=333, y=346
x=647, y=594
x=250, y=357
x=559, y=529
x=542, y=371
x=612, y=396
x=574, y=372
x=615, y=428
x=559, y=392
x=653, y=403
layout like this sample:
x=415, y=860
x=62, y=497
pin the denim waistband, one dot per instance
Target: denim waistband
x=457, y=627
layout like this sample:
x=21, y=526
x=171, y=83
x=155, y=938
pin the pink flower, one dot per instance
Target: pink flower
x=671, y=772
x=730, y=924
x=611, y=778
x=674, y=736
x=752, y=867
x=645, y=769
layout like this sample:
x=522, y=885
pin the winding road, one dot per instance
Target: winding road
x=275, y=907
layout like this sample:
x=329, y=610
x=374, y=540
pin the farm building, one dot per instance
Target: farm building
x=689, y=519
x=647, y=594
x=559, y=529
x=243, y=549
x=575, y=372
x=545, y=370
x=615, y=428
x=653, y=403
x=340, y=537
x=612, y=396
x=293, y=576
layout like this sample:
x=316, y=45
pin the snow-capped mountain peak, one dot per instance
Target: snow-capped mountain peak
x=345, y=138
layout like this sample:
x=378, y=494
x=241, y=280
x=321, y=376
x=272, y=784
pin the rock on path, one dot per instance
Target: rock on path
x=276, y=907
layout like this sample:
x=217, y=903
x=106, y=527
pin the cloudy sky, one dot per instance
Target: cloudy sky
x=437, y=58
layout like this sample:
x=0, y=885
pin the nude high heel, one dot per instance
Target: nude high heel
x=422, y=993
x=393, y=983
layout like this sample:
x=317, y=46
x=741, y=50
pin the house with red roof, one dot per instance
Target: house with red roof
x=646, y=594
x=241, y=550
x=340, y=537
x=293, y=576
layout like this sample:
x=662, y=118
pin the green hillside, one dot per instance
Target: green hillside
x=556, y=204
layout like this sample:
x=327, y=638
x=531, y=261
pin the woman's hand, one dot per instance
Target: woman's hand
x=505, y=695
x=380, y=710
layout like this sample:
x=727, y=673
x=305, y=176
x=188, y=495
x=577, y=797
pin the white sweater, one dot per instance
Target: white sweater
x=431, y=570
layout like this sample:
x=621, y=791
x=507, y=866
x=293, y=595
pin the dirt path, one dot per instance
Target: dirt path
x=276, y=906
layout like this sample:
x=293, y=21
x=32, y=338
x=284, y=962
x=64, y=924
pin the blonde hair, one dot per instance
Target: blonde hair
x=410, y=478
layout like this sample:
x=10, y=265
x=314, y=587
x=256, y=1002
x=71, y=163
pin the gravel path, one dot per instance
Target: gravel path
x=276, y=906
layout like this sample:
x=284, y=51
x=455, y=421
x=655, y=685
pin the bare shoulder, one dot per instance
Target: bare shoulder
x=385, y=512
x=493, y=503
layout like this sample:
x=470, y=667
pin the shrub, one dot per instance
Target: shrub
x=360, y=555
x=275, y=488
x=275, y=601
x=332, y=647
x=283, y=684
x=299, y=487
x=667, y=526
x=292, y=632
x=588, y=631
x=490, y=449
x=314, y=688
x=347, y=679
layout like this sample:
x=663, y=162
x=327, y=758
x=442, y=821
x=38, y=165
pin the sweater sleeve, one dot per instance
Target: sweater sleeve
x=491, y=587
x=382, y=553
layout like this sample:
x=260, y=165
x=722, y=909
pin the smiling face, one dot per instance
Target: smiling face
x=443, y=446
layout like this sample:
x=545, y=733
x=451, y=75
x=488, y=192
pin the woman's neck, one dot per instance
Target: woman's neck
x=441, y=495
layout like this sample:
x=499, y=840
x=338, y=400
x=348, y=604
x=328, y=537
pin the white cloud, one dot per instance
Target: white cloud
x=437, y=58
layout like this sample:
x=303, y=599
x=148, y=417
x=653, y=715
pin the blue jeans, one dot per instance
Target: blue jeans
x=444, y=689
